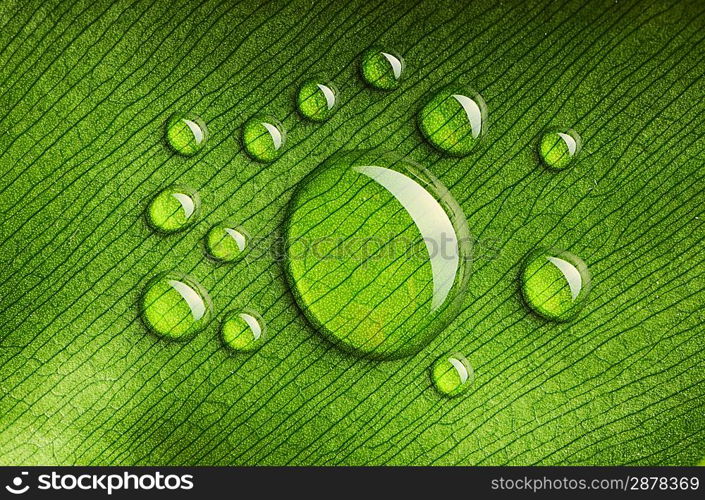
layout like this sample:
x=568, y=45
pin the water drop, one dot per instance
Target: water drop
x=226, y=242
x=175, y=306
x=173, y=209
x=452, y=374
x=243, y=330
x=558, y=148
x=263, y=138
x=454, y=120
x=317, y=101
x=554, y=283
x=186, y=133
x=377, y=253
x=382, y=69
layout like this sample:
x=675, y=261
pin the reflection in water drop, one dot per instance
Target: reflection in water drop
x=558, y=148
x=175, y=306
x=186, y=133
x=452, y=374
x=382, y=69
x=431, y=220
x=453, y=120
x=263, y=138
x=173, y=209
x=377, y=253
x=316, y=101
x=554, y=283
x=226, y=242
x=243, y=331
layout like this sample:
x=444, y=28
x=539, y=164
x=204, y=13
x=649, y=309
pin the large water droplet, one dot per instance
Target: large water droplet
x=377, y=253
x=558, y=148
x=186, y=133
x=243, y=330
x=226, y=242
x=554, y=283
x=317, y=101
x=173, y=209
x=452, y=374
x=382, y=69
x=263, y=138
x=175, y=306
x=454, y=120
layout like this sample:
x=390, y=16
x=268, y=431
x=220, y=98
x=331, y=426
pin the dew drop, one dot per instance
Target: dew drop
x=452, y=374
x=226, y=242
x=377, y=253
x=454, y=120
x=186, y=133
x=382, y=69
x=558, y=148
x=173, y=209
x=263, y=138
x=317, y=101
x=554, y=283
x=175, y=306
x=243, y=330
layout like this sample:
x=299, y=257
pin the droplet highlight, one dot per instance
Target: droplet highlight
x=173, y=209
x=554, y=283
x=175, y=306
x=452, y=374
x=454, y=120
x=558, y=148
x=186, y=133
x=317, y=101
x=377, y=253
x=382, y=69
x=226, y=242
x=263, y=138
x=243, y=331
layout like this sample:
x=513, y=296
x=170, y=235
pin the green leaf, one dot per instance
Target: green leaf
x=86, y=90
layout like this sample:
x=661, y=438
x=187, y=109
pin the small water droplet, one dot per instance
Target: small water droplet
x=173, y=209
x=175, y=306
x=554, y=283
x=558, y=148
x=186, y=133
x=452, y=374
x=454, y=120
x=243, y=330
x=317, y=101
x=377, y=253
x=382, y=69
x=226, y=242
x=263, y=138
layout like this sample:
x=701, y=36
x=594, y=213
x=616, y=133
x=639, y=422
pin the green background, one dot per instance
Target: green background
x=85, y=90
